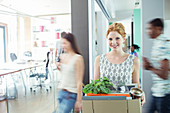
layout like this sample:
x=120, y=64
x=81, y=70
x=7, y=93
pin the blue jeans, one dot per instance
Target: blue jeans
x=160, y=104
x=66, y=101
x=166, y=104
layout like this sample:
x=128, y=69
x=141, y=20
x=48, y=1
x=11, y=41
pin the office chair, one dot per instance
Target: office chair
x=13, y=57
x=43, y=73
x=40, y=78
x=28, y=53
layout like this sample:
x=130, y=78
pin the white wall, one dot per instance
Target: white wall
x=61, y=23
x=101, y=29
x=11, y=22
x=92, y=50
x=98, y=25
x=167, y=28
x=166, y=9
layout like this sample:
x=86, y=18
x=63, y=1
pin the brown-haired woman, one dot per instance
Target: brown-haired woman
x=121, y=68
x=71, y=66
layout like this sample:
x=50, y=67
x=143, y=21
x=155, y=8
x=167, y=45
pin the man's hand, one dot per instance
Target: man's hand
x=146, y=64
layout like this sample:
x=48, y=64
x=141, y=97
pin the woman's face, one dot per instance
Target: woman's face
x=115, y=40
x=132, y=49
x=66, y=45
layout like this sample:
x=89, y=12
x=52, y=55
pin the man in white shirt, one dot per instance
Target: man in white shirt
x=58, y=48
x=159, y=66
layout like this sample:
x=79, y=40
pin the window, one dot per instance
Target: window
x=2, y=44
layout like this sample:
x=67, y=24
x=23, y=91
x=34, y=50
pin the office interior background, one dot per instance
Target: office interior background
x=34, y=26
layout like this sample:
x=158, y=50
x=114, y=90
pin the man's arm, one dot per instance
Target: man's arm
x=163, y=71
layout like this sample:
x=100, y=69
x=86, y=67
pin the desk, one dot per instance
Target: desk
x=4, y=72
x=8, y=72
x=10, y=68
x=20, y=66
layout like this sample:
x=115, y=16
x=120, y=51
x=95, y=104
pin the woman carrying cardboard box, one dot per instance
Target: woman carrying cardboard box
x=118, y=66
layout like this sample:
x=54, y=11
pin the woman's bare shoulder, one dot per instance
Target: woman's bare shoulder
x=97, y=60
x=79, y=57
x=136, y=61
x=98, y=57
x=126, y=54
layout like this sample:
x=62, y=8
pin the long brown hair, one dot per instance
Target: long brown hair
x=71, y=38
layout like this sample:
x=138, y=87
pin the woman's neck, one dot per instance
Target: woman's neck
x=117, y=53
x=70, y=53
x=116, y=57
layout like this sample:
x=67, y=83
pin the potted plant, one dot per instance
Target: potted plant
x=101, y=87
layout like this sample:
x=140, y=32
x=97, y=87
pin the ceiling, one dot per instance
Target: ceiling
x=118, y=9
x=122, y=4
x=38, y=7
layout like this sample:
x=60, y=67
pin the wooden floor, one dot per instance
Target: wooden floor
x=40, y=101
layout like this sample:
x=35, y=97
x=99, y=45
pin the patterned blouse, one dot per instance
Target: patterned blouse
x=119, y=74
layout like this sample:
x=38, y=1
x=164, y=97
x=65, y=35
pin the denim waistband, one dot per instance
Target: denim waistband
x=68, y=91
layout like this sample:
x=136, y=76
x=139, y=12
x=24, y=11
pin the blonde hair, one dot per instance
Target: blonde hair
x=117, y=27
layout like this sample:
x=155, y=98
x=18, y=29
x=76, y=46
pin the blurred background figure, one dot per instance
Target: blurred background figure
x=133, y=49
x=159, y=66
x=71, y=66
x=59, y=49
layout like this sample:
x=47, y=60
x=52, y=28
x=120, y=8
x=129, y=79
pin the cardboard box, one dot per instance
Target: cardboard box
x=111, y=106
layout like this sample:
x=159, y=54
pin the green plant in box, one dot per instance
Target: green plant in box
x=99, y=86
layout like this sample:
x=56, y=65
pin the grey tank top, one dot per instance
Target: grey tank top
x=118, y=74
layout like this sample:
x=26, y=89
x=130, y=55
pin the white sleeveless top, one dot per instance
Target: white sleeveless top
x=68, y=80
x=118, y=74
